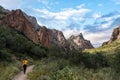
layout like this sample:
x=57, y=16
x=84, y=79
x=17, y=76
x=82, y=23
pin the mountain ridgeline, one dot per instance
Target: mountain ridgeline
x=28, y=26
x=79, y=42
x=54, y=56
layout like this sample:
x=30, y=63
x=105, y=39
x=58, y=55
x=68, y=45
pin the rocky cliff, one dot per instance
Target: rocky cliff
x=79, y=42
x=3, y=10
x=51, y=36
x=115, y=36
x=28, y=26
x=17, y=20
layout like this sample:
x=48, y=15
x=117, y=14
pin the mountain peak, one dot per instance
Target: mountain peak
x=3, y=10
x=81, y=36
x=79, y=42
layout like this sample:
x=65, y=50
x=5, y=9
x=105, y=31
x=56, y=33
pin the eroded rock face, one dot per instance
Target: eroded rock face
x=79, y=42
x=51, y=36
x=29, y=27
x=57, y=37
x=44, y=36
x=18, y=21
x=33, y=21
x=3, y=10
x=115, y=36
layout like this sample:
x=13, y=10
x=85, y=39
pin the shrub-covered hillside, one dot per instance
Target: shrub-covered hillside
x=14, y=46
x=109, y=48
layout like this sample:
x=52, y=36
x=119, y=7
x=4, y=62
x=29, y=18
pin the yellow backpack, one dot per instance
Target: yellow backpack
x=25, y=62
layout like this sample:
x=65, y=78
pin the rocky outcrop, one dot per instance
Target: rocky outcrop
x=57, y=37
x=17, y=20
x=79, y=42
x=51, y=36
x=44, y=36
x=33, y=21
x=115, y=36
x=3, y=10
x=28, y=26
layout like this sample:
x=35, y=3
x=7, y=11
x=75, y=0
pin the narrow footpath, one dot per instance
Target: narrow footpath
x=21, y=75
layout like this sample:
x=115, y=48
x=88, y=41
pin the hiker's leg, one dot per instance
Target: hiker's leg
x=24, y=68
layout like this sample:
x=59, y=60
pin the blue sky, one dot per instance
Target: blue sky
x=94, y=18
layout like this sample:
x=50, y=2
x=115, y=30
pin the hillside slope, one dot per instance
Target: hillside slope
x=111, y=45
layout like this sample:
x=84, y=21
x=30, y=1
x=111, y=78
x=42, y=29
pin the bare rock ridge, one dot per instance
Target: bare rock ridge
x=33, y=21
x=3, y=10
x=44, y=36
x=29, y=27
x=18, y=21
x=115, y=36
x=79, y=42
x=51, y=36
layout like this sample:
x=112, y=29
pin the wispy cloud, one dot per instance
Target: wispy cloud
x=100, y=5
x=96, y=38
x=47, y=3
x=64, y=14
x=11, y=4
x=96, y=15
x=71, y=22
x=104, y=22
x=81, y=6
x=62, y=18
x=105, y=25
x=117, y=1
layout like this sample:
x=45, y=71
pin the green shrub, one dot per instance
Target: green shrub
x=16, y=41
x=116, y=61
x=5, y=55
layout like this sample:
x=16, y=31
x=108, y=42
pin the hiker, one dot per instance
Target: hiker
x=25, y=61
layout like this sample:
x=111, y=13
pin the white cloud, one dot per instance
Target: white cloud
x=43, y=1
x=64, y=14
x=47, y=3
x=105, y=25
x=96, y=15
x=68, y=32
x=107, y=21
x=117, y=1
x=100, y=5
x=81, y=6
x=110, y=18
x=96, y=38
x=60, y=20
x=11, y=4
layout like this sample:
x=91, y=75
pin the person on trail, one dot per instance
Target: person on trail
x=25, y=62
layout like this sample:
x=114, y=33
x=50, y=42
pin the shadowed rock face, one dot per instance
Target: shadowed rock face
x=44, y=36
x=57, y=37
x=29, y=27
x=33, y=21
x=3, y=10
x=79, y=42
x=18, y=21
x=51, y=36
x=115, y=36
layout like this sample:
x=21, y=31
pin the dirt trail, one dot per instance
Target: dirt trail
x=21, y=75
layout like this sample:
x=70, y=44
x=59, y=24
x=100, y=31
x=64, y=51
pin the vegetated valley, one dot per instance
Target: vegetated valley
x=54, y=59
